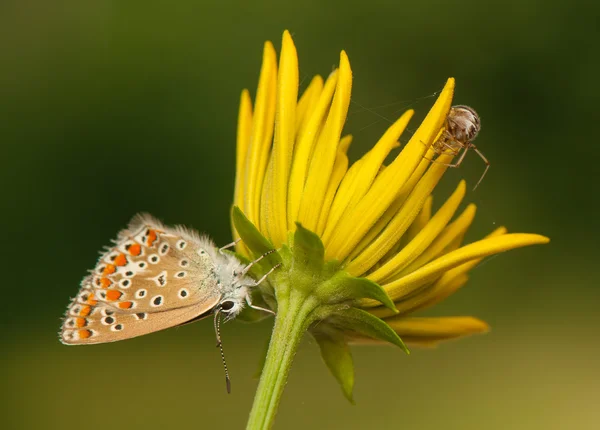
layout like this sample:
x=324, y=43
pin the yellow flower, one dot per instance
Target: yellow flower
x=374, y=219
x=358, y=248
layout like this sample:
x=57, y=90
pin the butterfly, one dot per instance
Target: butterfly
x=155, y=277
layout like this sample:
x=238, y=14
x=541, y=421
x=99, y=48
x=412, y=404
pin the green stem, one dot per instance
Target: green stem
x=294, y=310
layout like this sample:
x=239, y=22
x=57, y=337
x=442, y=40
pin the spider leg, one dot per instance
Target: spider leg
x=438, y=162
x=462, y=156
x=485, y=160
x=452, y=151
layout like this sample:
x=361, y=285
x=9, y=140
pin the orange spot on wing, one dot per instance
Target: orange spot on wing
x=85, y=311
x=92, y=300
x=113, y=295
x=125, y=305
x=80, y=322
x=135, y=249
x=105, y=283
x=121, y=260
x=152, y=236
x=109, y=269
x=84, y=334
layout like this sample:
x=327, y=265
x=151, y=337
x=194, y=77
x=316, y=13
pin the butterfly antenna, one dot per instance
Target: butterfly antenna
x=220, y=346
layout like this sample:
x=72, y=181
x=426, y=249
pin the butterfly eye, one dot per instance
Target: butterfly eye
x=227, y=305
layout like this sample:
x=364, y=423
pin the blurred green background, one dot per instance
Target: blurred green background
x=111, y=108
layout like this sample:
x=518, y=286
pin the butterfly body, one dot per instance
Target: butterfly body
x=153, y=278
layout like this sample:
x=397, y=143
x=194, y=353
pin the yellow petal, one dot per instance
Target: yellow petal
x=283, y=144
x=420, y=221
x=307, y=103
x=307, y=136
x=454, y=230
x=243, y=141
x=482, y=248
x=261, y=135
x=395, y=207
x=341, y=198
x=420, y=299
x=345, y=143
x=321, y=164
x=357, y=222
x=447, y=284
x=425, y=331
x=401, y=221
x=425, y=237
x=339, y=170
x=244, y=130
x=417, y=225
x=429, y=295
x=367, y=170
x=267, y=224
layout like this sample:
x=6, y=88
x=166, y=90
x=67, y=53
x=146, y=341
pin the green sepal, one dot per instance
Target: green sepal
x=256, y=242
x=366, y=324
x=331, y=268
x=285, y=254
x=258, y=245
x=336, y=355
x=342, y=286
x=303, y=260
x=308, y=250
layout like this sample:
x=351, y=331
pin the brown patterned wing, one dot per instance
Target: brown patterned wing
x=153, y=278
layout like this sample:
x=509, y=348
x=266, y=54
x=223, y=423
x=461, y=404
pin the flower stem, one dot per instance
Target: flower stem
x=294, y=311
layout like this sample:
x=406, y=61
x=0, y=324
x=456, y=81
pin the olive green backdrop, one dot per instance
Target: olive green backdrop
x=110, y=108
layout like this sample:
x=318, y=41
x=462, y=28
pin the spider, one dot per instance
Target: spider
x=461, y=128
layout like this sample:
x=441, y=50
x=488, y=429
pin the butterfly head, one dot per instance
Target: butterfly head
x=235, y=285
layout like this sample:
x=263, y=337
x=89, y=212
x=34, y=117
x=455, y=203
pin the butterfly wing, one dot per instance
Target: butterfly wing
x=152, y=278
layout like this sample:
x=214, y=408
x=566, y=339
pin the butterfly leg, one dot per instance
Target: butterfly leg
x=229, y=245
x=258, y=308
x=252, y=263
x=255, y=284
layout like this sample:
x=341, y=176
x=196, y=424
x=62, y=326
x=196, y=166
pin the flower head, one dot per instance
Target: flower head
x=360, y=238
